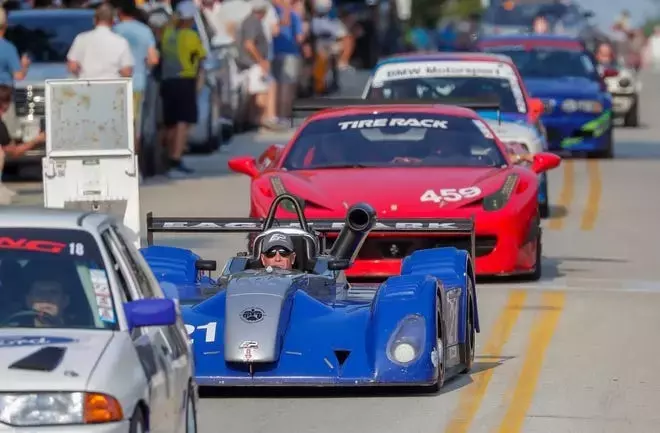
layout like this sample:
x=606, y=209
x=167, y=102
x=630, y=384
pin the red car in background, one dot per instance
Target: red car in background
x=408, y=161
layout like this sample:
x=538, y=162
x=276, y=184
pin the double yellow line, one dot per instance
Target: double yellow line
x=566, y=195
x=471, y=396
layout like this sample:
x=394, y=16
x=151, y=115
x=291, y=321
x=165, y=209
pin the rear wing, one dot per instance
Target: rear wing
x=305, y=107
x=448, y=226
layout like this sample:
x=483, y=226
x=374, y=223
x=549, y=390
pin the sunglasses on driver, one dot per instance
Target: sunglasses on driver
x=281, y=251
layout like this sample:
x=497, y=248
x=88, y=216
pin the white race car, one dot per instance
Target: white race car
x=521, y=138
x=88, y=341
x=625, y=87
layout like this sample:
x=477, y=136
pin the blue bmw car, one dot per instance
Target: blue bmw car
x=560, y=71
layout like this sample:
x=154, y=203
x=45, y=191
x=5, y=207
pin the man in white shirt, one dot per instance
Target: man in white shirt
x=100, y=53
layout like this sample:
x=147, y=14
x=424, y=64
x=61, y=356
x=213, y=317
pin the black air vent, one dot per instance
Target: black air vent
x=341, y=356
x=45, y=359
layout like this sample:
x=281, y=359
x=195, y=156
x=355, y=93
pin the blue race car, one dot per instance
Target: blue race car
x=563, y=73
x=309, y=326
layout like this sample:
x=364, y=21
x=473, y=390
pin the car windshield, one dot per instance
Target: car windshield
x=522, y=14
x=47, y=37
x=53, y=278
x=447, y=88
x=549, y=62
x=447, y=80
x=394, y=140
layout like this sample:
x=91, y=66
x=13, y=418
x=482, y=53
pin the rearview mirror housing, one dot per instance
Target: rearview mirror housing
x=150, y=312
x=536, y=108
x=244, y=165
x=545, y=161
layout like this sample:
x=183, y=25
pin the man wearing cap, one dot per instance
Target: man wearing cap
x=182, y=52
x=254, y=59
x=277, y=251
x=100, y=53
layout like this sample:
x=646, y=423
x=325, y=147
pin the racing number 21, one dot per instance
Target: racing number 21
x=210, y=329
x=450, y=194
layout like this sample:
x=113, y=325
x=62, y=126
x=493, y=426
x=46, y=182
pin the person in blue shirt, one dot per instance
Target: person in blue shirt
x=287, y=62
x=13, y=68
x=143, y=48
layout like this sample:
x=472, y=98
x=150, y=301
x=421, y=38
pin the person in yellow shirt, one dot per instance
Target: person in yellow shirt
x=182, y=52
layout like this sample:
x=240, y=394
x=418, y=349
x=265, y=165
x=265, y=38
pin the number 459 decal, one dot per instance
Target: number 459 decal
x=450, y=194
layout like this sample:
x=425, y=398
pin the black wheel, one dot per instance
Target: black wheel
x=138, y=423
x=536, y=274
x=439, y=358
x=191, y=412
x=631, y=120
x=467, y=349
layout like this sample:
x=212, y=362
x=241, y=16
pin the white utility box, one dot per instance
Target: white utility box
x=90, y=161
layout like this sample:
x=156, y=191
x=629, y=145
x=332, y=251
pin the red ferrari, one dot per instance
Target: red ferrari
x=408, y=161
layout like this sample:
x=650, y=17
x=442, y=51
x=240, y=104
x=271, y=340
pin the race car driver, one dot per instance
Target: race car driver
x=277, y=251
x=45, y=302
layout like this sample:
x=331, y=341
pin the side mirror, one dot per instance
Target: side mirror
x=270, y=155
x=206, y=265
x=339, y=264
x=545, y=161
x=150, y=312
x=536, y=108
x=244, y=165
x=610, y=72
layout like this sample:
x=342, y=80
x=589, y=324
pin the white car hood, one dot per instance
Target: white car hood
x=82, y=351
x=516, y=132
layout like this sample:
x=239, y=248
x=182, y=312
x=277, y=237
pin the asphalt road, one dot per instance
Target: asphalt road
x=566, y=354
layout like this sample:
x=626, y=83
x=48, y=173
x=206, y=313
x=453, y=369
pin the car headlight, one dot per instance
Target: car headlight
x=498, y=199
x=58, y=408
x=407, y=341
x=586, y=106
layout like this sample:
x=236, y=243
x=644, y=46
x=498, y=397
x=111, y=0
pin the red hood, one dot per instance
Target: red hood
x=389, y=190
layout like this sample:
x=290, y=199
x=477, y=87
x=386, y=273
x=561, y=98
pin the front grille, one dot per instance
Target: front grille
x=398, y=247
x=554, y=135
x=30, y=100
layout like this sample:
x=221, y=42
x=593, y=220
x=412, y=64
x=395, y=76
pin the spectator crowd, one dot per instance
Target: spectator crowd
x=277, y=43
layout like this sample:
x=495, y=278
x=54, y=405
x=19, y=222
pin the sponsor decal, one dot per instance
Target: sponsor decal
x=253, y=315
x=248, y=347
x=394, y=122
x=32, y=340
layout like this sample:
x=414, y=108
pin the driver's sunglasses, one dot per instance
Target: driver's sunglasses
x=282, y=252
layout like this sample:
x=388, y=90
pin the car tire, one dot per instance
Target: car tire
x=467, y=349
x=440, y=348
x=191, y=412
x=631, y=119
x=538, y=268
x=138, y=423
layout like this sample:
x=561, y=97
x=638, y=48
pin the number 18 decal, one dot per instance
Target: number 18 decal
x=451, y=194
